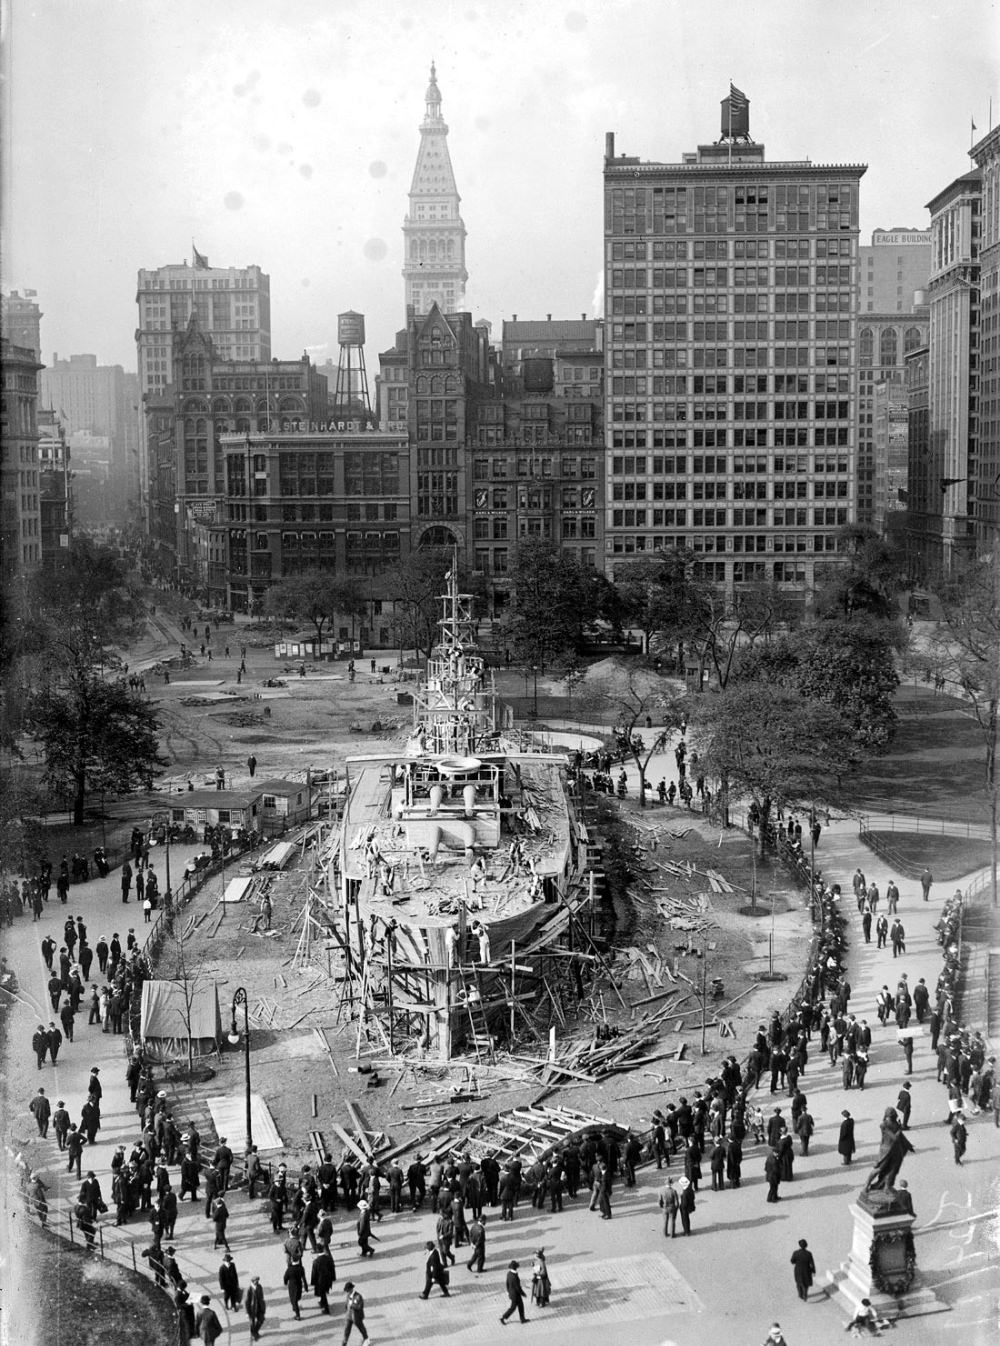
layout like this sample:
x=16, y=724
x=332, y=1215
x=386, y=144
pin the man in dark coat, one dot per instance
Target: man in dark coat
x=55, y=1040
x=295, y=1280
x=322, y=1277
x=903, y=1104
x=845, y=1142
x=41, y=1109
x=805, y=1268
x=229, y=1282
x=60, y=1123
x=256, y=1307
x=354, y=1312
x=40, y=1042
x=206, y=1322
x=515, y=1294
x=477, y=1240
x=772, y=1172
x=434, y=1271
x=75, y=1141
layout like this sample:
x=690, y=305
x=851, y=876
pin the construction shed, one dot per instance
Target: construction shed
x=171, y=1012
x=286, y=803
x=209, y=808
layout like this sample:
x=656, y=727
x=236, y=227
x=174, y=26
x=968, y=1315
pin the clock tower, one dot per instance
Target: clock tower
x=433, y=232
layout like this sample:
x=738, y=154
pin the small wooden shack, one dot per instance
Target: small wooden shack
x=285, y=804
x=232, y=808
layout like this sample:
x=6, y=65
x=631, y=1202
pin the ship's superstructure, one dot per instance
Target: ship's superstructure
x=460, y=858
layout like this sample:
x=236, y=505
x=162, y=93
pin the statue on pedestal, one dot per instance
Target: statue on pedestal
x=893, y=1150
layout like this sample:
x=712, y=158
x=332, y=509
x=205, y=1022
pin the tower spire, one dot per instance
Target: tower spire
x=433, y=231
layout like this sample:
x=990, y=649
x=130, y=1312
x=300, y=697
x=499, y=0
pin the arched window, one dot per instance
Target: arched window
x=867, y=347
x=911, y=339
x=888, y=345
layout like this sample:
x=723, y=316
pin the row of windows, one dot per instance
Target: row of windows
x=830, y=436
x=721, y=542
x=669, y=250
x=626, y=491
x=641, y=277
x=486, y=469
x=746, y=357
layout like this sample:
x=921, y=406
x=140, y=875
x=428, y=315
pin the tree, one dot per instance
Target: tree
x=866, y=577
x=94, y=735
x=415, y=589
x=847, y=664
x=553, y=596
x=775, y=747
x=637, y=695
x=643, y=598
x=93, y=732
x=317, y=597
x=188, y=977
x=965, y=651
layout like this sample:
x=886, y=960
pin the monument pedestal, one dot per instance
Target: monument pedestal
x=881, y=1265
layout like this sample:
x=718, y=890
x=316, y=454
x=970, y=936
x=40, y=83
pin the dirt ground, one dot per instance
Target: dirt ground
x=304, y=1040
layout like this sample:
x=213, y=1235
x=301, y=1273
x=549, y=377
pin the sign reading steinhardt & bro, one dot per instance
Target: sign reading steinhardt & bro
x=899, y=237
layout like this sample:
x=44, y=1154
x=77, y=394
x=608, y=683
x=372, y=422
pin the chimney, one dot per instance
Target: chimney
x=583, y=317
x=609, y=145
x=548, y=317
x=514, y=319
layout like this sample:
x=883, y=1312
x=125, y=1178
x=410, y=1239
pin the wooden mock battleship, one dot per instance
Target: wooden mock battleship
x=462, y=864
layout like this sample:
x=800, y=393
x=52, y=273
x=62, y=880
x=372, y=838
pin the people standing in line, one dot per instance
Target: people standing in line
x=805, y=1269
x=515, y=1295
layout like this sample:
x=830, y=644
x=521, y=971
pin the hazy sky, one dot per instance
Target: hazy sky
x=286, y=136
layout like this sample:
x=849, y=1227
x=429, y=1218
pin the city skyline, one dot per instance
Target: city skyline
x=182, y=125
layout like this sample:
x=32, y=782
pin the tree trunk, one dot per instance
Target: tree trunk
x=79, y=798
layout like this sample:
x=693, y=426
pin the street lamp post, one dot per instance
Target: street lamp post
x=240, y=998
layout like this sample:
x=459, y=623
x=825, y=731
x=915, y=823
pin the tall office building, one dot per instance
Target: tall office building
x=20, y=504
x=892, y=321
x=21, y=319
x=232, y=305
x=433, y=231
x=103, y=401
x=731, y=291
x=953, y=373
x=985, y=507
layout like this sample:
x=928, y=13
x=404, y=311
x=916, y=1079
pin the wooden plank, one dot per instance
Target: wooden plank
x=360, y=1130
x=345, y=1139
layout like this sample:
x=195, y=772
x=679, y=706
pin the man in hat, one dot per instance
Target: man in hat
x=206, y=1322
x=223, y=1161
x=256, y=1307
x=60, y=1123
x=365, y=1229
x=94, y=1085
x=229, y=1282
x=805, y=1269
x=41, y=1109
x=322, y=1276
x=477, y=1241
x=515, y=1294
x=845, y=1141
x=434, y=1273
x=354, y=1315
x=40, y=1042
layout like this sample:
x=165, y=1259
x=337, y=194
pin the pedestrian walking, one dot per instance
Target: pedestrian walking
x=322, y=1277
x=220, y=1218
x=477, y=1240
x=926, y=879
x=959, y=1136
x=354, y=1312
x=515, y=1295
x=41, y=1110
x=805, y=1269
x=434, y=1271
x=206, y=1322
x=686, y=1202
x=256, y=1307
x=906, y=1042
x=295, y=1281
x=40, y=1044
x=229, y=1283
x=364, y=1228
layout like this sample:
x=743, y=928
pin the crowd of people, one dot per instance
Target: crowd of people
x=709, y=1127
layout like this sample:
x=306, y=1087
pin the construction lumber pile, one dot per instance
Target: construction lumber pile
x=530, y=1133
x=591, y=1060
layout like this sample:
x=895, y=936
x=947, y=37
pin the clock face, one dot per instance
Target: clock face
x=481, y=499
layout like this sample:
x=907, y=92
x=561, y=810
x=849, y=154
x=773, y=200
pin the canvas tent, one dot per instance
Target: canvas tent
x=165, y=1016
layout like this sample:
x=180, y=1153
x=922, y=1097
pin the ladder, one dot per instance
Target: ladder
x=482, y=1040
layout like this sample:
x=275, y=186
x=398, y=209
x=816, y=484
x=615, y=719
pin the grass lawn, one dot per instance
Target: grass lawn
x=934, y=766
x=947, y=857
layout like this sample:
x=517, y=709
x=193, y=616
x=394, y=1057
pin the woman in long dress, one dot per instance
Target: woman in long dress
x=541, y=1286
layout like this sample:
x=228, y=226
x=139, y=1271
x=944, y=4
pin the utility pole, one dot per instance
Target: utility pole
x=704, y=994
